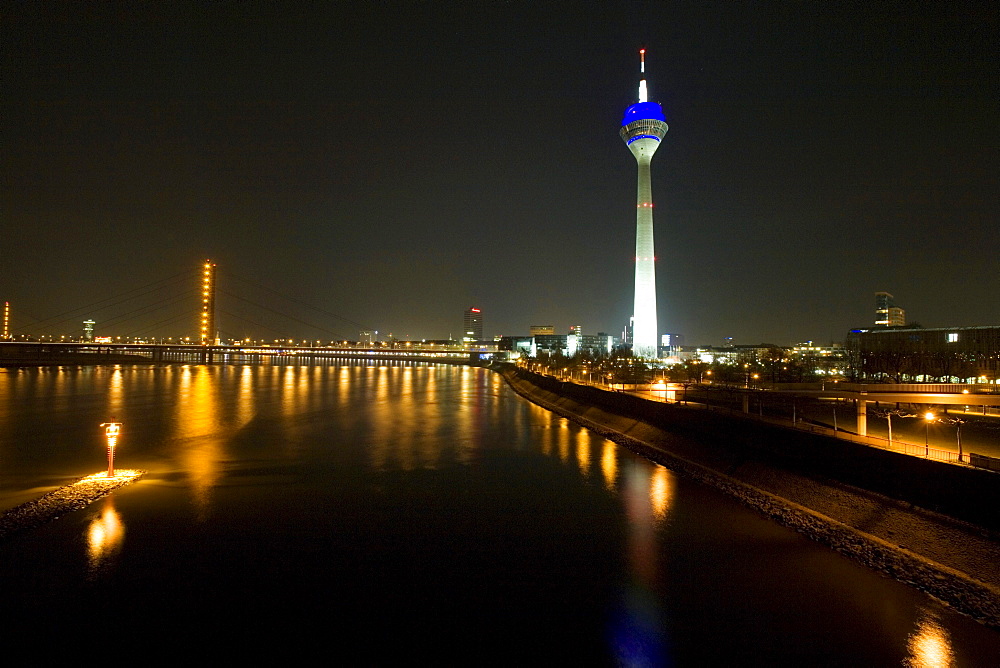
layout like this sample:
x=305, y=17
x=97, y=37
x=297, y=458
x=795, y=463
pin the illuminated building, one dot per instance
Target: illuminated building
x=643, y=127
x=515, y=344
x=6, y=320
x=473, y=329
x=671, y=343
x=914, y=354
x=550, y=344
x=207, y=332
x=538, y=330
x=88, y=330
x=887, y=314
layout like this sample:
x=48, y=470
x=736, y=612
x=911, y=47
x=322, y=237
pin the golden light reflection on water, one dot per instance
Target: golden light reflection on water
x=639, y=635
x=303, y=383
x=317, y=388
x=929, y=645
x=116, y=392
x=344, y=388
x=295, y=384
x=413, y=451
x=583, y=451
x=383, y=422
x=640, y=511
x=609, y=464
x=288, y=397
x=245, y=402
x=200, y=450
x=409, y=429
x=104, y=536
x=661, y=492
x=563, y=440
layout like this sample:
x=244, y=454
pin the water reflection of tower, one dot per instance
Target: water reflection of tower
x=642, y=129
x=638, y=628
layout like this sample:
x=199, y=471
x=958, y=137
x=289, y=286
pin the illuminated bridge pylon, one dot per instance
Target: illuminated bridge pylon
x=208, y=304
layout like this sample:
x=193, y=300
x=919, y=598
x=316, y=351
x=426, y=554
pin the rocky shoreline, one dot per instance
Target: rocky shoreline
x=66, y=499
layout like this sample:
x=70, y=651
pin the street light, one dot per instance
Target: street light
x=928, y=418
x=958, y=435
x=111, y=431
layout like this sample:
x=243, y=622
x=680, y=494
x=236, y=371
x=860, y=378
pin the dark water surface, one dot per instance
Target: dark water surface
x=384, y=514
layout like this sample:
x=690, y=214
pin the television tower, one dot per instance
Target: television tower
x=642, y=129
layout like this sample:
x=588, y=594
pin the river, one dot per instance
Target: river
x=402, y=512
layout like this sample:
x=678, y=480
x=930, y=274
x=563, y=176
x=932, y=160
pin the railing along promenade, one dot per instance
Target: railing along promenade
x=861, y=395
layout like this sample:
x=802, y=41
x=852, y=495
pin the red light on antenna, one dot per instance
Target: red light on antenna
x=642, y=50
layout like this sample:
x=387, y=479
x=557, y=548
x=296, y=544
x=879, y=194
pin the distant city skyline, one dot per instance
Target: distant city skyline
x=392, y=164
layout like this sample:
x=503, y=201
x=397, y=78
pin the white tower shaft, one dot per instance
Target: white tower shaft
x=644, y=334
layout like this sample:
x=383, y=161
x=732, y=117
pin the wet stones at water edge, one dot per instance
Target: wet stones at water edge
x=65, y=499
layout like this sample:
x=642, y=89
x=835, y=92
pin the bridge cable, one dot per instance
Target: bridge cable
x=110, y=301
x=295, y=300
x=283, y=315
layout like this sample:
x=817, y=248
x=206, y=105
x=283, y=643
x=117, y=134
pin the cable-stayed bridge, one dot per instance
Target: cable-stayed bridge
x=206, y=315
x=75, y=352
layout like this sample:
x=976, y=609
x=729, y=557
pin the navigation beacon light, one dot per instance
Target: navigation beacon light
x=111, y=431
x=643, y=127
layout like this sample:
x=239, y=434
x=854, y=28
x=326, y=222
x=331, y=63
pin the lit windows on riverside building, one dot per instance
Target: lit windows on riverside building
x=473, y=325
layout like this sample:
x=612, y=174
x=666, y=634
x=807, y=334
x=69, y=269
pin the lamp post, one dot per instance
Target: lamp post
x=111, y=431
x=928, y=418
x=958, y=435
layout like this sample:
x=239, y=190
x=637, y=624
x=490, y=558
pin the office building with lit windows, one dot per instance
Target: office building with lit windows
x=473, y=325
x=887, y=314
x=914, y=354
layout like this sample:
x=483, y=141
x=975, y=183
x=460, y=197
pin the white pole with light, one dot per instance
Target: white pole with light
x=111, y=431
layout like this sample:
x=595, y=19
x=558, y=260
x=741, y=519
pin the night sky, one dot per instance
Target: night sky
x=393, y=164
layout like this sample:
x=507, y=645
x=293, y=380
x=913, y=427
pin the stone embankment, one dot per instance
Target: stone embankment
x=65, y=499
x=929, y=524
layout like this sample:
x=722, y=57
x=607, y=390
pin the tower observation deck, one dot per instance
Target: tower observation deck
x=642, y=129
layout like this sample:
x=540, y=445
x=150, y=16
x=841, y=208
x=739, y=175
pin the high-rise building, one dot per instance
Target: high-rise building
x=887, y=314
x=643, y=127
x=473, y=330
x=88, y=330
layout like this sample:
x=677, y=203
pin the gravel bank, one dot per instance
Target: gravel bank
x=66, y=499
